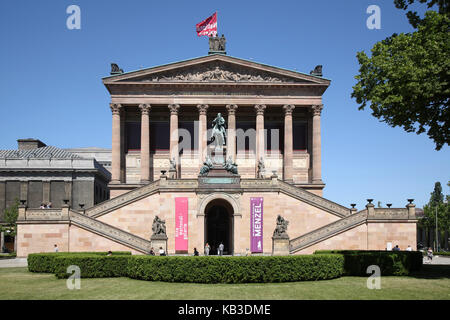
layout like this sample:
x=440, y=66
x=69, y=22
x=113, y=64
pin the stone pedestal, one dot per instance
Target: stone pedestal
x=217, y=155
x=280, y=246
x=159, y=241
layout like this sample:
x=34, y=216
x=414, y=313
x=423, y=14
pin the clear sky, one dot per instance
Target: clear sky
x=51, y=89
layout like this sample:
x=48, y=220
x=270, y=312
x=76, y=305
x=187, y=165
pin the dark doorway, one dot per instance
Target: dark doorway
x=219, y=226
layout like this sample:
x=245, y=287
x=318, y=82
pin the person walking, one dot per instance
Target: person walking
x=56, y=248
x=430, y=254
x=207, y=248
x=221, y=246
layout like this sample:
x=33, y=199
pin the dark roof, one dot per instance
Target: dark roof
x=39, y=153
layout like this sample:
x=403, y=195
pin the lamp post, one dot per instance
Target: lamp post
x=437, y=239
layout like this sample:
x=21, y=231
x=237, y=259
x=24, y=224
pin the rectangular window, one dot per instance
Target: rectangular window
x=274, y=137
x=159, y=136
x=245, y=136
x=300, y=136
x=187, y=131
x=132, y=136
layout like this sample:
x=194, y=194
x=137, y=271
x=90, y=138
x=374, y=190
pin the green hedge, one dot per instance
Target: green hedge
x=390, y=262
x=235, y=269
x=8, y=255
x=92, y=266
x=45, y=262
x=255, y=269
x=441, y=253
x=193, y=269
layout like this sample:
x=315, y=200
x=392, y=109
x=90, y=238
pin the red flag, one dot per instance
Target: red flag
x=207, y=27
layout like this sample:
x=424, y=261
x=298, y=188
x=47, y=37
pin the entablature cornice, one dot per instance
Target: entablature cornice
x=240, y=101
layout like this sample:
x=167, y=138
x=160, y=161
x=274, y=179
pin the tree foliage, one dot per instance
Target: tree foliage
x=11, y=214
x=413, y=16
x=437, y=206
x=406, y=80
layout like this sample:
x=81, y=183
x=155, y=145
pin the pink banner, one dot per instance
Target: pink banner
x=181, y=224
x=256, y=227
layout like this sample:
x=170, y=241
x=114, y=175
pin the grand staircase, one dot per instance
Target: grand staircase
x=110, y=232
x=327, y=231
x=123, y=200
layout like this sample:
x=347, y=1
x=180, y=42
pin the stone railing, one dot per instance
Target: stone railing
x=44, y=214
x=314, y=199
x=389, y=214
x=122, y=200
x=298, y=193
x=327, y=231
x=110, y=232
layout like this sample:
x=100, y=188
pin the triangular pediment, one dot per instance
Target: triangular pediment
x=216, y=69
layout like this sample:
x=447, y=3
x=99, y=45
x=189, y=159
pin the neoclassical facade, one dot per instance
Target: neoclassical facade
x=161, y=139
x=271, y=113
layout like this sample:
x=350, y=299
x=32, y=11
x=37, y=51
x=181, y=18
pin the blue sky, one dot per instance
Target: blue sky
x=51, y=87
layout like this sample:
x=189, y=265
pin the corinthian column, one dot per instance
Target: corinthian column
x=259, y=108
x=316, y=141
x=231, y=136
x=202, y=141
x=288, y=142
x=174, y=152
x=115, y=152
x=145, y=143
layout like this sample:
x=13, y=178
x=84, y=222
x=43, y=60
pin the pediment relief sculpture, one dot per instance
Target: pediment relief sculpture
x=219, y=73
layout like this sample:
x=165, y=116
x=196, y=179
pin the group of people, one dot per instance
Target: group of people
x=46, y=206
x=219, y=249
x=162, y=252
x=397, y=248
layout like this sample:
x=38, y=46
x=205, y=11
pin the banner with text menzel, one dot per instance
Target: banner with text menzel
x=256, y=224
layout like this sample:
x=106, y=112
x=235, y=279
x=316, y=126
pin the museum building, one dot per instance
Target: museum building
x=216, y=149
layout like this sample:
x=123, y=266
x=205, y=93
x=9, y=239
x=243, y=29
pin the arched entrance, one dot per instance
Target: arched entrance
x=219, y=224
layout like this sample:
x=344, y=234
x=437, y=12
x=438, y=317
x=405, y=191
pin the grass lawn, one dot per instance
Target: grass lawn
x=433, y=282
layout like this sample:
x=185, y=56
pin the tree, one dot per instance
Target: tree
x=413, y=16
x=436, y=196
x=11, y=214
x=406, y=81
x=436, y=205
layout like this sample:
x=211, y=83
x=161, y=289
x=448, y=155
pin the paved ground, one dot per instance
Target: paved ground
x=13, y=263
x=438, y=260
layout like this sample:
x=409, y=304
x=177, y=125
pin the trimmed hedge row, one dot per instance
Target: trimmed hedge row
x=236, y=269
x=398, y=263
x=8, y=255
x=195, y=269
x=45, y=262
x=441, y=253
x=92, y=266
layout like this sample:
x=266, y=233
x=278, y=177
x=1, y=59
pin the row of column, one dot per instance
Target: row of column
x=202, y=143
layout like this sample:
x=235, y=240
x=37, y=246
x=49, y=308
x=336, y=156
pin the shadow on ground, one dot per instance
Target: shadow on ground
x=433, y=272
